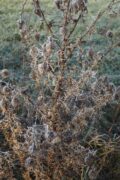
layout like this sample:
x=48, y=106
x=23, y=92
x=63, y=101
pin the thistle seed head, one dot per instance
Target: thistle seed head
x=6, y=90
x=4, y=73
x=15, y=101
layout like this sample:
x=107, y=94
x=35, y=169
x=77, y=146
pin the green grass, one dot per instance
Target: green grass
x=13, y=53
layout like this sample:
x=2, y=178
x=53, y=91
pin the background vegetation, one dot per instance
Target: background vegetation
x=13, y=52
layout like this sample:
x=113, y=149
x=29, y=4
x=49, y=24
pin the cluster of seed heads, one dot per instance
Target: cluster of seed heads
x=78, y=5
x=8, y=95
x=74, y=6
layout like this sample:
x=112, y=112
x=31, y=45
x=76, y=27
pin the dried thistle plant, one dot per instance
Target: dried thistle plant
x=54, y=133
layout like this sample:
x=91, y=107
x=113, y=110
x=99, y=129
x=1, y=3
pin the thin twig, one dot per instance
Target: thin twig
x=111, y=47
x=23, y=7
x=100, y=14
x=75, y=25
x=37, y=5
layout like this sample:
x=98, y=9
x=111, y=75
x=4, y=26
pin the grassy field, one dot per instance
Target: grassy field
x=13, y=52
